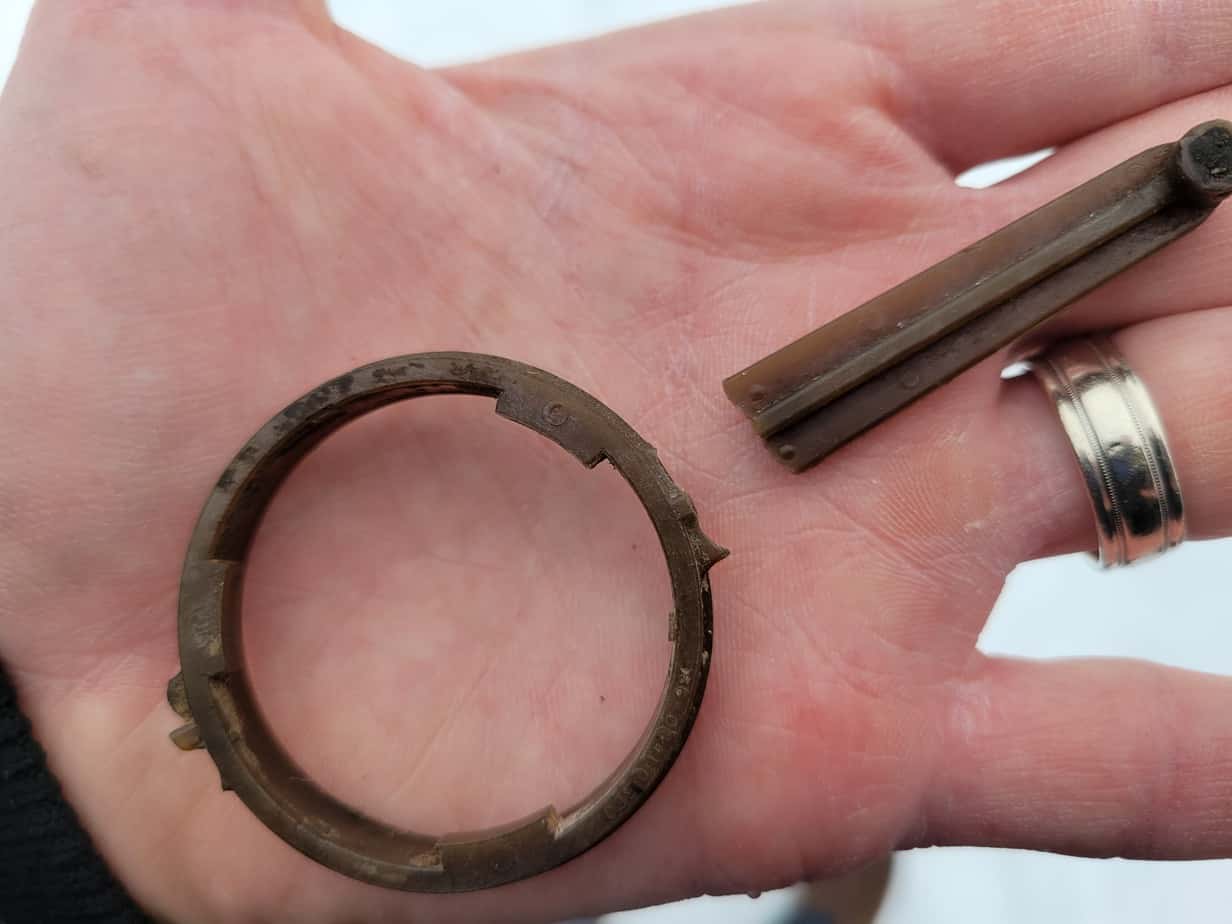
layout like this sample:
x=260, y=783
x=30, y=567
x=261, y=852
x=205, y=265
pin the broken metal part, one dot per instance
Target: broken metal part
x=213, y=691
x=815, y=394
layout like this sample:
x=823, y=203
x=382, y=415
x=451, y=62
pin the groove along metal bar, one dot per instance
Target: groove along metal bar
x=815, y=394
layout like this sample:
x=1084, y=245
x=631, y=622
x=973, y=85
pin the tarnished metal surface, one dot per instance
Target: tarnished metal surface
x=214, y=694
x=815, y=394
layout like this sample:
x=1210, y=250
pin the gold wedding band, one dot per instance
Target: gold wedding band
x=1119, y=442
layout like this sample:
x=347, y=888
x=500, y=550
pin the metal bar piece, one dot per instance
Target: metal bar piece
x=815, y=394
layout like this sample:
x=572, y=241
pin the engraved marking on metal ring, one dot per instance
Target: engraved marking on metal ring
x=813, y=395
x=213, y=693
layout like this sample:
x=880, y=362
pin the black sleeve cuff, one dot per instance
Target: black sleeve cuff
x=49, y=870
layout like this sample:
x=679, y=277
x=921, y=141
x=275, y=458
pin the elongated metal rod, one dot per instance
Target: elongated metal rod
x=815, y=394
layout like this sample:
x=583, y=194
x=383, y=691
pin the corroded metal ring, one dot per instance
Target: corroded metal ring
x=213, y=691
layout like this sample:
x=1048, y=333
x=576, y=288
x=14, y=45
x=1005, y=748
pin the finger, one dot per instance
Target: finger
x=764, y=162
x=935, y=506
x=973, y=82
x=1181, y=361
x=1091, y=757
x=981, y=81
x=981, y=471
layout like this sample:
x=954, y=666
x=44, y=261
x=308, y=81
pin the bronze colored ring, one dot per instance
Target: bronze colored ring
x=214, y=694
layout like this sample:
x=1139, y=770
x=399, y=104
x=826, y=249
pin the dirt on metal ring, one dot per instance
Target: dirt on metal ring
x=214, y=695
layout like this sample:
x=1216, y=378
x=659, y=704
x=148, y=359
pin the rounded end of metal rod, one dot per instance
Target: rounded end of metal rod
x=1205, y=159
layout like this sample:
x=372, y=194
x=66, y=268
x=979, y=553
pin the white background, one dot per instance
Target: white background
x=1174, y=610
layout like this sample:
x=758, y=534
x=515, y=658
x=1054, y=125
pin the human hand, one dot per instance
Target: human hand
x=211, y=209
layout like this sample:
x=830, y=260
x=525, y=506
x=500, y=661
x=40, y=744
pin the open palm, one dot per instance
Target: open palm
x=209, y=210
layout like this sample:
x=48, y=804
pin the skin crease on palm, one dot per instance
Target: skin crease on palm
x=212, y=206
